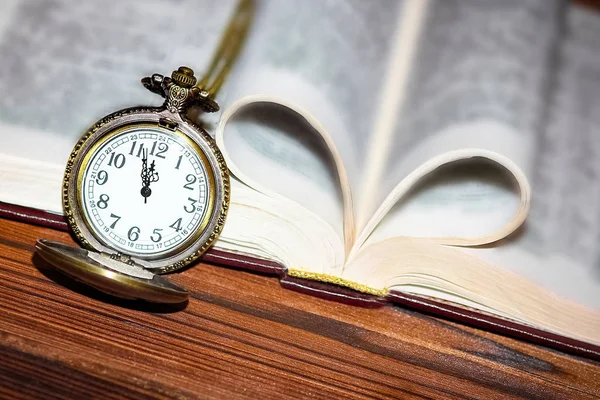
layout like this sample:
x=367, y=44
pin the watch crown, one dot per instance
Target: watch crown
x=184, y=77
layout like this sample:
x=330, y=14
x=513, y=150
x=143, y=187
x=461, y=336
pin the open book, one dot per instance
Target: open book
x=382, y=146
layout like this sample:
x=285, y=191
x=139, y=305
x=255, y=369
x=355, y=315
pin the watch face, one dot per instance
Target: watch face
x=145, y=190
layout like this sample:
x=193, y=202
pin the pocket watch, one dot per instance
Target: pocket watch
x=146, y=190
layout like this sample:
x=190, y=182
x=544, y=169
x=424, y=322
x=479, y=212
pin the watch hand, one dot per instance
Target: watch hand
x=152, y=175
x=145, y=192
x=144, y=166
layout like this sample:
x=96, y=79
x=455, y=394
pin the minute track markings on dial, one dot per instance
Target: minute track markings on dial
x=148, y=176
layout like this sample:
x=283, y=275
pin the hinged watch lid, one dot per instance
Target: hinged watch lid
x=110, y=274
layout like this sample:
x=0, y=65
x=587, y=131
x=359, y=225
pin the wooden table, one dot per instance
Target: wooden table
x=243, y=336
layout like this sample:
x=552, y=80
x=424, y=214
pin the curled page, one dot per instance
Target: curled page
x=506, y=220
x=283, y=163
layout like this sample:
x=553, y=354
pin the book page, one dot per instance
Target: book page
x=325, y=60
x=558, y=247
x=326, y=57
x=478, y=86
x=66, y=64
x=447, y=273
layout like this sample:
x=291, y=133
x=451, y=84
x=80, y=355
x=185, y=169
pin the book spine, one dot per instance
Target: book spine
x=33, y=216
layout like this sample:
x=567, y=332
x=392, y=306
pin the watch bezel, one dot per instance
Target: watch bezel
x=207, y=233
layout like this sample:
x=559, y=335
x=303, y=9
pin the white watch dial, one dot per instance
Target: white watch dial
x=145, y=190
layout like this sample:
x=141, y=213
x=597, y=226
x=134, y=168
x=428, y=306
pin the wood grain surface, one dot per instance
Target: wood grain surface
x=243, y=336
